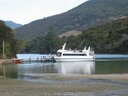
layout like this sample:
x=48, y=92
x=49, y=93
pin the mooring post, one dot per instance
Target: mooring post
x=37, y=60
x=3, y=49
x=41, y=59
x=29, y=59
x=4, y=74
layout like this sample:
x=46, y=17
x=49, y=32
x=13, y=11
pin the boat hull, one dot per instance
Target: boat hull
x=60, y=59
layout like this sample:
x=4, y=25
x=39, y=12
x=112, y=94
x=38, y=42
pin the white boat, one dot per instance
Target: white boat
x=74, y=55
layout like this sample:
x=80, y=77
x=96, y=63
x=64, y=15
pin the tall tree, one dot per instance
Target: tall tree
x=7, y=35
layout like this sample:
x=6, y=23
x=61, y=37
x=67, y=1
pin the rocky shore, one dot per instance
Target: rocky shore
x=67, y=85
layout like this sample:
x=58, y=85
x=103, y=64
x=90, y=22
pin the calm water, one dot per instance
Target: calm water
x=104, y=64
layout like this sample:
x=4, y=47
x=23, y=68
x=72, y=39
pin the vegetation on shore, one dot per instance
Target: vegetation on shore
x=7, y=36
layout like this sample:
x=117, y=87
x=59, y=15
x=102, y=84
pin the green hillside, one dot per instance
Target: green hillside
x=111, y=37
x=7, y=36
x=88, y=14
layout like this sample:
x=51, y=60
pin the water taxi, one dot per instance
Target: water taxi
x=74, y=55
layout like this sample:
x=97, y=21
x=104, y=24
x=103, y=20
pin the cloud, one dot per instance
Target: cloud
x=76, y=1
x=7, y=1
x=72, y=0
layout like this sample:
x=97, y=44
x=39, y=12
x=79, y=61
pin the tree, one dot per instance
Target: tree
x=7, y=35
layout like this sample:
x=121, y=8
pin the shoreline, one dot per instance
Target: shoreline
x=58, y=76
x=6, y=61
x=123, y=77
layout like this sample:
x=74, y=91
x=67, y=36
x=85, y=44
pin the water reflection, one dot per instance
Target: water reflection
x=75, y=67
x=27, y=70
x=58, y=67
x=36, y=68
x=8, y=70
x=111, y=66
x=100, y=66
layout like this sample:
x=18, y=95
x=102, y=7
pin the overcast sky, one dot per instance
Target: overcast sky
x=25, y=11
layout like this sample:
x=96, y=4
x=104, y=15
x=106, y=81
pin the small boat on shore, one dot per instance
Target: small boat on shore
x=17, y=61
x=74, y=55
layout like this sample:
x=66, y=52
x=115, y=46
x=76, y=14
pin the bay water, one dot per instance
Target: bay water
x=104, y=64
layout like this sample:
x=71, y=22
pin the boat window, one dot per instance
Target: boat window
x=74, y=54
x=58, y=54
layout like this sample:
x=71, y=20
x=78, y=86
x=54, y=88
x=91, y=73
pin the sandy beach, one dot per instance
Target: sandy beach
x=67, y=85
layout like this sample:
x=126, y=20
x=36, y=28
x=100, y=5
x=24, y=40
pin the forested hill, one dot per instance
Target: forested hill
x=111, y=37
x=90, y=13
x=108, y=38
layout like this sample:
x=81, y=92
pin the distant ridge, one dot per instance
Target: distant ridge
x=12, y=24
x=90, y=13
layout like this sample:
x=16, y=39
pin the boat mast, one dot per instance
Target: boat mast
x=63, y=47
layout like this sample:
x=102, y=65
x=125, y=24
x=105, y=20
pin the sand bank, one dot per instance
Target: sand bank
x=67, y=85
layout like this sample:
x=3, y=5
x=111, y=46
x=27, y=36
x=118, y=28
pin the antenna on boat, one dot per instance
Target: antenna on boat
x=63, y=47
x=85, y=48
x=89, y=48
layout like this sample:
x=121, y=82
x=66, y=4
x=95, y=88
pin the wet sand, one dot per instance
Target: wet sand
x=67, y=85
x=6, y=61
